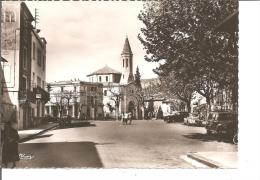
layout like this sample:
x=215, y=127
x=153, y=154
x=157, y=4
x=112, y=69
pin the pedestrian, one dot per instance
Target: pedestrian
x=10, y=143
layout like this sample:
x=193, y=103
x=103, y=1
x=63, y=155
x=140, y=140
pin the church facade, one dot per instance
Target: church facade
x=119, y=90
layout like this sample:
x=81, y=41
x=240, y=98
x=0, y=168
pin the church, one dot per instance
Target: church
x=120, y=94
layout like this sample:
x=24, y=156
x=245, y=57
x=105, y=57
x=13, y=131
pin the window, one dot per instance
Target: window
x=39, y=81
x=12, y=17
x=126, y=63
x=106, y=78
x=61, y=88
x=23, y=84
x=93, y=89
x=43, y=84
x=75, y=88
x=2, y=16
x=39, y=56
x=92, y=100
x=43, y=63
x=100, y=78
x=123, y=62
x=9, y=16
x=33, y=50
x=24, y=58
x=105, y=92
x=33, y=80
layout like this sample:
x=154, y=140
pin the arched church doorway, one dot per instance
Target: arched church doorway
x=132, y=109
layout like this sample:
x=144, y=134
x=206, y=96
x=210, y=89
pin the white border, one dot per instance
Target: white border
x=249, y=110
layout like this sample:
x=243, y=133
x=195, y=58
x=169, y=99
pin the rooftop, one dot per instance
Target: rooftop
x=127, y=48
x=105, y=70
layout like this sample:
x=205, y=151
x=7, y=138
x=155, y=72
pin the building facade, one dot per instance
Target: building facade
x=119, y=89
x=38, y=75
x=77, y=99
x=16, y=45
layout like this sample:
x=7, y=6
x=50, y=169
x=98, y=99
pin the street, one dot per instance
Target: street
x=109, y=144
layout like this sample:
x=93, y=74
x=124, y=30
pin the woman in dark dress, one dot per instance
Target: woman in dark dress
x=10, y=144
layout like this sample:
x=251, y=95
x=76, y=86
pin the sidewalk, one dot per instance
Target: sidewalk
x=28, y=134
x=216, y=159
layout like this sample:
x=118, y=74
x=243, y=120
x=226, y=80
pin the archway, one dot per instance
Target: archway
x=131, y=108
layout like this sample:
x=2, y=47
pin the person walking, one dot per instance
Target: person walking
x=10, y=143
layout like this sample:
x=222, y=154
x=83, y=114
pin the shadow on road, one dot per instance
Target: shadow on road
x=208, y=138
x=76, y=124
x=60, y=155
x=31, y=137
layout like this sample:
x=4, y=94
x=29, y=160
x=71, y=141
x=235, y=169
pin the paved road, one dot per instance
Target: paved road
x=109, y=144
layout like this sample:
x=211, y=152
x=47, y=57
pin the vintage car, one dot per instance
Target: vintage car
x=176, y=116
x=171, y=117
x=222, y=123
x=191, y=119
x=201, y=121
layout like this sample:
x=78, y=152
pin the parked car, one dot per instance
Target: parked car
x=171, y=117
x=49, y=118
x=65, y=120
x=191, y=119
x=181, y=116
x=201, y=121
x=222, y=123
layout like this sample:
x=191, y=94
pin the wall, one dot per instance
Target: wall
x=10, y=44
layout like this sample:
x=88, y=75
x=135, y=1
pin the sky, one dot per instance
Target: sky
x=85, y=36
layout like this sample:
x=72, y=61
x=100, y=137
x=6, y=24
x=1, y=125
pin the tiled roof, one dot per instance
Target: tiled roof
x=105, y=70
x=127, y=48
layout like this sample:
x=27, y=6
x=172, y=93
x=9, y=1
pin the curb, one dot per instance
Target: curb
x=29, y=137
x=203, y=160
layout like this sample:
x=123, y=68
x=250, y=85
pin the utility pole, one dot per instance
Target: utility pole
x=36, y=18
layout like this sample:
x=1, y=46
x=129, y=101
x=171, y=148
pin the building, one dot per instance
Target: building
x=17, y=36
x=75, y=98
x=110, y=79
x=6, y=106
x=38, y=75
x=118, y=86
x=127, y=63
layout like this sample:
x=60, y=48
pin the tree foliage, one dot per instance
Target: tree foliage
x=180, y=36
x=138, y=78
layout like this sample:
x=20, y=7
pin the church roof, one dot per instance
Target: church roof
x=127, y=48
x=105, y=70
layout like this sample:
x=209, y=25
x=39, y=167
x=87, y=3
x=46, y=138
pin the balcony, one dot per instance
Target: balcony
x=26, y=95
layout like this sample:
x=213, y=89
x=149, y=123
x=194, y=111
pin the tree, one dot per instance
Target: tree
x=115, y=95
x=62, y=100
x=160, y=113
x=58, y=100
x=110, y=107
x=180, y=35
x=49, y=88
x=138, y=78
x=150, y=109
x=174, y=88
x=68, y=96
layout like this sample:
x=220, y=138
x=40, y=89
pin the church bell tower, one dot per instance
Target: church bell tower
x=127, y=63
